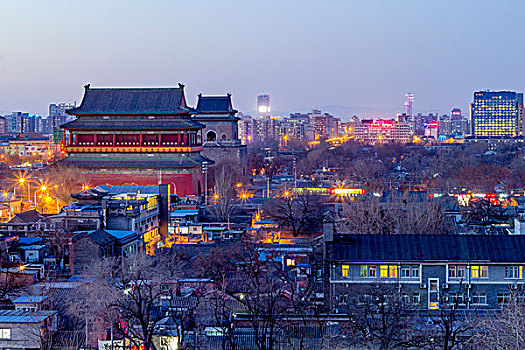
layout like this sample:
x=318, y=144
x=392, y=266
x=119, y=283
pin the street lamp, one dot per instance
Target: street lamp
x=42, y=188
x=23, y=181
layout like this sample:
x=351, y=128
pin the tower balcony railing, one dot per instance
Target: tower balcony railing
x=131, y=148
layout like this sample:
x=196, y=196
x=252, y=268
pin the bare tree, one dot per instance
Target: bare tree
x=450, y=326
x=256, y=285
x=300, y=213
x=503, y=329
x=398, y=216
x=224, y=195
x=365, y=216
x=126, y=294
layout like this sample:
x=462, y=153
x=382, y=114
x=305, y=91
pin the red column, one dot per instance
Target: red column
x=141, y=143
x=94, y=139
x=178, y=139
x=160, y=139
x=114, y=140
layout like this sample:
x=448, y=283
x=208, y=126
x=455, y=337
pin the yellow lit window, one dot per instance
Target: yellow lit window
x=345, y=270
x=474, y=271
x=383, y=271
x=393, y=271
x=433, y=306
x=521, y=272
x=290, y=262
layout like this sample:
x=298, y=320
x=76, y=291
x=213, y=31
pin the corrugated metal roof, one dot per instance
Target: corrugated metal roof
x=183, y=213
x=24, y=299
x=20, y=316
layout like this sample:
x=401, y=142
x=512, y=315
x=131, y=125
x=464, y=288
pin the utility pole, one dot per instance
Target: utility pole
x=205, y=168
x=294, y=172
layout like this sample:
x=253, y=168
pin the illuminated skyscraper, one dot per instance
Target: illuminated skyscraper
x=496, y=113
x=408, y=104
x=263, y=105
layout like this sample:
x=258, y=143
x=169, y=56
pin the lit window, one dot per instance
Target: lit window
x=484, y=271
x=5, y=333
x=393, y=271
x=383, y=271
x=474, y=271
x=364, y=271
x=345, y=270
x=290, y=262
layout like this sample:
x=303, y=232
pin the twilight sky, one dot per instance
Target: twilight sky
x=345, y=56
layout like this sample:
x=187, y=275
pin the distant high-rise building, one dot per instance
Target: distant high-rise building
x=3, y=125
x=382, y=131
x=58, y=115
x=263, y=106
x=459, y=124
x=408, y=104
x=496, y=114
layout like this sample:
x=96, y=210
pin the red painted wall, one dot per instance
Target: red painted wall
x=186, y=184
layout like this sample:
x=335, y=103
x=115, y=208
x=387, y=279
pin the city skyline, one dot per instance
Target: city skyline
x=358, y=57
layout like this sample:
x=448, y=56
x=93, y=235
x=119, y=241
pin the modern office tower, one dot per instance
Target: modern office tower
x=263, y=106
x=496, y=114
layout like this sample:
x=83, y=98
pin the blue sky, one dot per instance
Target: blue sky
x=355, y=56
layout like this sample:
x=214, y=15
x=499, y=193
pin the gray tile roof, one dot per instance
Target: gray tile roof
x=132, y=101
x=139, y=162
x=215, y=104
x=416, y=248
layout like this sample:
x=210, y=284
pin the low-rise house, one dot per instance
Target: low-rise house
x=29, y=302
x=476, y=272
x=86, y=246
x=23, y=330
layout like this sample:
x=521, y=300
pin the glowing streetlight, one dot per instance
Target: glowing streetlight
x=286, y=193
x=22, y=181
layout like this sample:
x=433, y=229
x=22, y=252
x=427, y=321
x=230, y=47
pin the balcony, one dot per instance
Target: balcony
x=132, y=149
